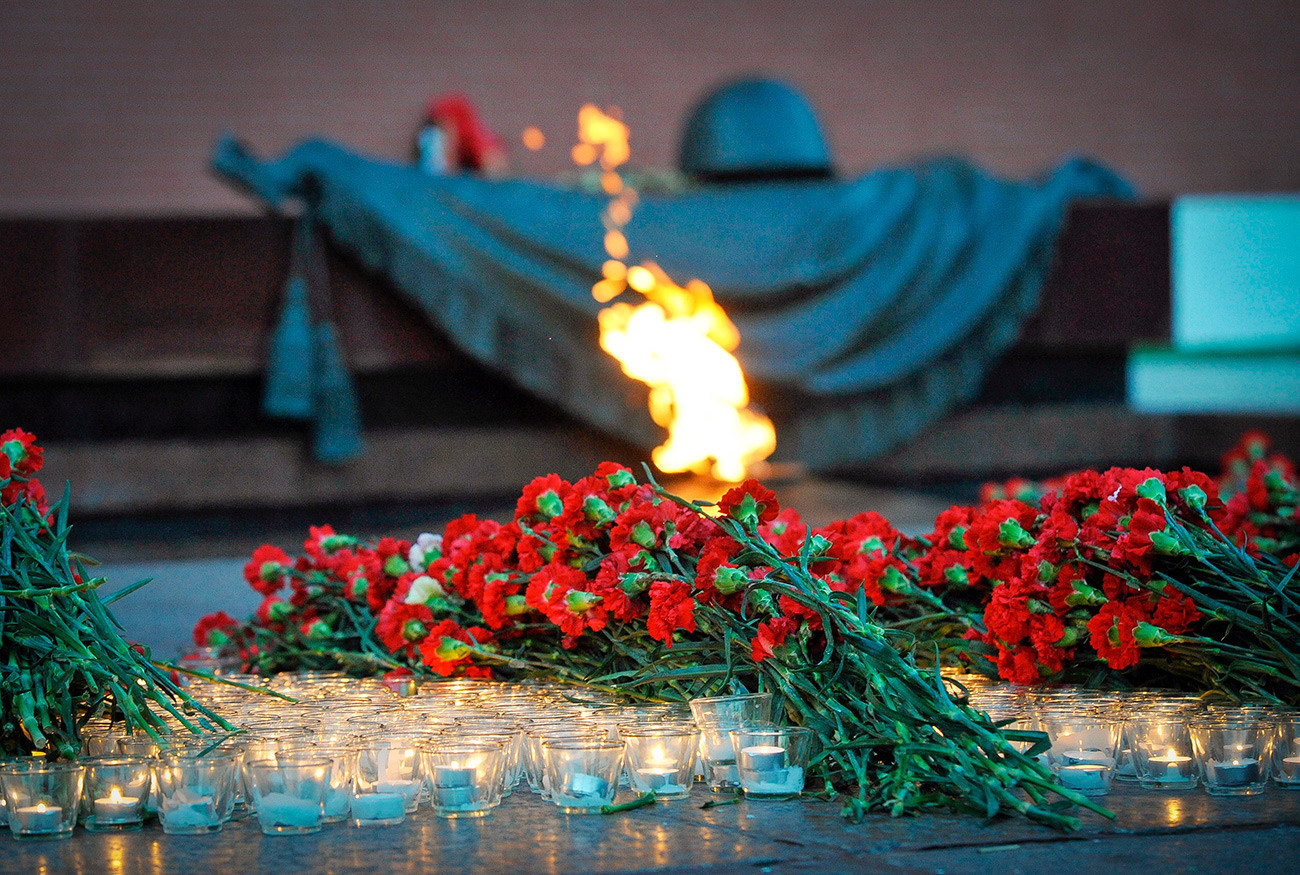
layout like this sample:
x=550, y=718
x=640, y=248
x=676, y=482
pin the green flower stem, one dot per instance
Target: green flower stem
x=639, y=802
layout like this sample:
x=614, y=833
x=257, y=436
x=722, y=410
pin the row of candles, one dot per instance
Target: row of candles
x=1157, y=740
x=349, y=750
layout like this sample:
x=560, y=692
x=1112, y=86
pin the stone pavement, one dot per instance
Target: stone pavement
x=1161, y=833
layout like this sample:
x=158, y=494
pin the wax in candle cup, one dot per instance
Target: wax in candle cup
x=338, y=777
x=377, y=809
x=583, y=775
x=1286, y=752
x=1288, y=773
x=116, y=788
x=1162, y=753
x=771, y=760
x=289, y=795
x=1082, y=740
x=660, y=758
x=1218, y=746
x=534, y=757
x=716, y=716
x=42, y=798
x=392, y=762
x=1090, y=779
x=196, y=793
x=468, y=777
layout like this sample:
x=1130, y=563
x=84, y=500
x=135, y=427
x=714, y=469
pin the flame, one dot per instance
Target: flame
x=533, y=138
x=115, y=795
x=678, y=341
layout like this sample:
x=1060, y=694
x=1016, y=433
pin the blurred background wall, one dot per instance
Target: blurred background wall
x=112, y=108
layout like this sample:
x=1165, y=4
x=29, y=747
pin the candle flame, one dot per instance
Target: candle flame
x=1172, y=753
x=114, y=795
x=657, y=756
x=678, y=341
x=40, y=808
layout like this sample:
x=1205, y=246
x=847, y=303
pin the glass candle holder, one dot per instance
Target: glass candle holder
x=468, y=778
x=660, y=759
x=116, y=789
x=716, y=716
x=1083, y=752
x=196, y=794
x=583, y=774
x=1286, y=751
x=1161, y=751
x=508, y=734
x=391, y=765
x=745, y=709
x=288, y=796
x=42, y=798
x=535, y=755
x=146, y=748
x=339, y=777
x=1233, y=757
x=771, y=760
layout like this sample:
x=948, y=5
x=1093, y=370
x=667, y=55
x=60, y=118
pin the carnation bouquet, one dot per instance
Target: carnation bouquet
x=1135, y=577
x=616, y=584
x=63, y=660
x=1123, y=577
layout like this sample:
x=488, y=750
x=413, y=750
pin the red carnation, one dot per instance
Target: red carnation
x=1112, y=634
x=671, y=608
x=446, y=649
x=771, y=635
x=215, y=630
x=401, y=626
x=751, y=504
x=20, y=446
x=267, y=572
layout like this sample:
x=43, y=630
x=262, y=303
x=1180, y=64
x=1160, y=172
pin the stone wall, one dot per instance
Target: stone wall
x=112, y=108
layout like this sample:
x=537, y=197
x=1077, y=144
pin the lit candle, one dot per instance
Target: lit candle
x=658, y=778
x=1084, y=777
x=40, y=818
x=1087, y=757
x=454, y=785
x=762, y=758
x=116, y=808
x=1170, y=767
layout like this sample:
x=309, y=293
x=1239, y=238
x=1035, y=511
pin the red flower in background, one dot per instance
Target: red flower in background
x=215, y=630
x=268, y=570
x=445, y=651
x=23, y=452
x=401, y=627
